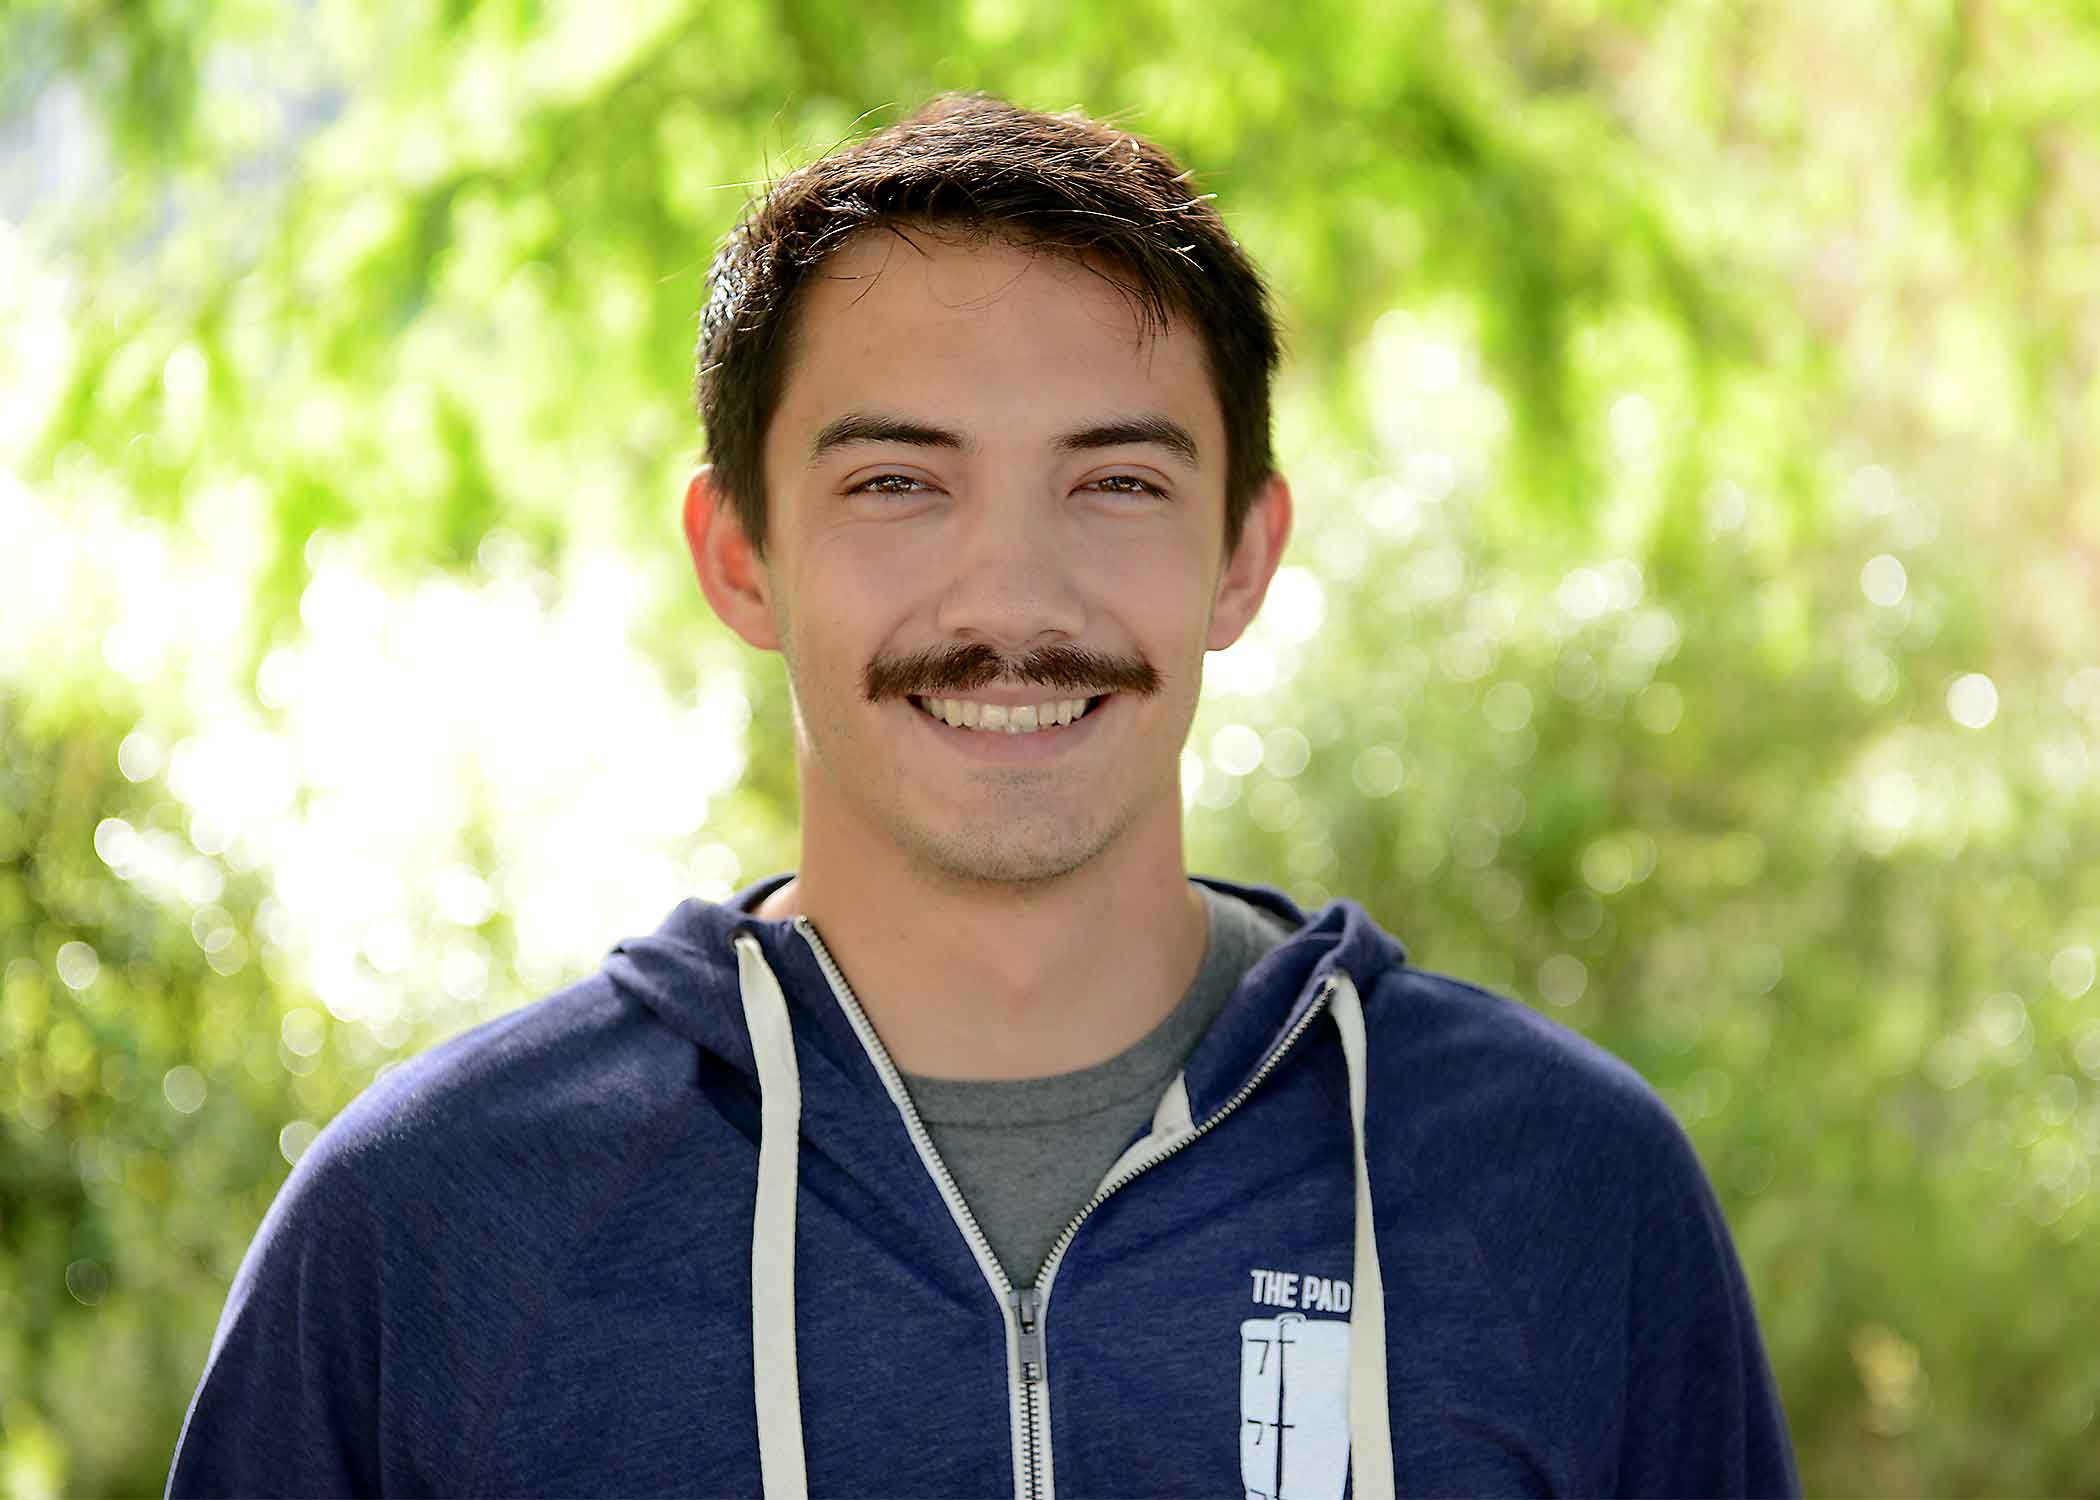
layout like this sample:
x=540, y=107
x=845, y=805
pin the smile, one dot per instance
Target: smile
x=1001, y=718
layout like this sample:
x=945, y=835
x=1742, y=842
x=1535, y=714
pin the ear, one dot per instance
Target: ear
x=732, y=573
x=1245, y=579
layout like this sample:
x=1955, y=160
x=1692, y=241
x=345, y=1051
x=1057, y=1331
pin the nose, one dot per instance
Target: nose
x=1012, y=582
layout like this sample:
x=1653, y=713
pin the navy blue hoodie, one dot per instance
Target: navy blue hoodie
x=554, y=1256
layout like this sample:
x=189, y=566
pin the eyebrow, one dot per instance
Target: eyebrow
x=876, y=427
x=1158, y=431
x=873, y=427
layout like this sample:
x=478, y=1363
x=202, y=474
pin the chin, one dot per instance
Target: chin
x=1011, y=857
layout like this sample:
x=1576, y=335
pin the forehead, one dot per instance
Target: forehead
x=1012, y=340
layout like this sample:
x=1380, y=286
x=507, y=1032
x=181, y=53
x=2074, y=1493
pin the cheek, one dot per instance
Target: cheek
x=1164, y=587
x=841, y=578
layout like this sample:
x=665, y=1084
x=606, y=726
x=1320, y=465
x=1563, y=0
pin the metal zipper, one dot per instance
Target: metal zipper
x=1023, y=1333
x=1035, y=1425
x=1026, y=1308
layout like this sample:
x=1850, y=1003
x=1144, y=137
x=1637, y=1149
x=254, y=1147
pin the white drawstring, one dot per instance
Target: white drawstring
x=1370, y=1420
x=778, y=1391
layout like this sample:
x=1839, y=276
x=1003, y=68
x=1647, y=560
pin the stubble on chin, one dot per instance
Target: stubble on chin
x=1008, y=853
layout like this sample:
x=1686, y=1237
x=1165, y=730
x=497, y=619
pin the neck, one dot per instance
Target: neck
x=968, y=979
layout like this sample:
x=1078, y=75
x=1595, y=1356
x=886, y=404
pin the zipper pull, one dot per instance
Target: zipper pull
x=1028, y=1306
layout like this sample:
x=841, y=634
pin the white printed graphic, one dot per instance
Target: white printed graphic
x=1294, y=1408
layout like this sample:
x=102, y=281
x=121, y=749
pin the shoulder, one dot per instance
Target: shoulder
x=1564, y=1163
x=414, y=1237
x=569, y=1057
x=507, y=1133
x=1508, y=1086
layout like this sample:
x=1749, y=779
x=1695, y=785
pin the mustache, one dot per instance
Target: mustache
x=953, y=671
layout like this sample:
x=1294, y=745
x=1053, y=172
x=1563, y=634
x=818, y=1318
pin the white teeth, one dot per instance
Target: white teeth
x=1022, y=718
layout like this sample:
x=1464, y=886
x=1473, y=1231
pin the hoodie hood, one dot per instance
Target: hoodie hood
x=686, y=973
x=1277, y=991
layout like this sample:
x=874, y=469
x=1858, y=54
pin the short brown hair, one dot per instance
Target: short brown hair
x=1061, y=182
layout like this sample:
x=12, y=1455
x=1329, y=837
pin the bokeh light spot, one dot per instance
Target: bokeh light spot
x=1583, y=595
x=1634, y=427
x=139, y=756
x=1378, y=771
x=293, y=1140
x=87, y=1282
x=117, y=844
x=1872, y=490
x=77, y=965
x=184, y=1087
x=2086, y=1050
x=1972, y=700
x=1872, y=675
x=2001, y=1023
x=463, y=969
x=1562, y=979
x=2072, y=970
x=1506, y=706
x=1236, y=749
x=1607, y=866
x=303, y=1030
x=1883, y=581
x=1285, y=752
x=1274, y=806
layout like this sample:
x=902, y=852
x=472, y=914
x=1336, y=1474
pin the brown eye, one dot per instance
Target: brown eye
x=1127, y=484
x=888, y=484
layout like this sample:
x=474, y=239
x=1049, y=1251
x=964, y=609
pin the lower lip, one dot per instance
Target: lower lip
x=1015, y=749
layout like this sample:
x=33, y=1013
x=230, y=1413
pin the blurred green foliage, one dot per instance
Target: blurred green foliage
x=1692, y=626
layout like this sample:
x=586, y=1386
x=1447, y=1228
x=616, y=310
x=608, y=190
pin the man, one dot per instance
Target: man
x=988, y=1153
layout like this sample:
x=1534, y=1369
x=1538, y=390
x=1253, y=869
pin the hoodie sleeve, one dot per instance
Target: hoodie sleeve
x=1592, y=1220
x=1701, y=1412
x=290, y=1399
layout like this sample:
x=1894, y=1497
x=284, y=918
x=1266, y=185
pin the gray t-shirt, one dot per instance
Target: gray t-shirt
x=1027, y=1153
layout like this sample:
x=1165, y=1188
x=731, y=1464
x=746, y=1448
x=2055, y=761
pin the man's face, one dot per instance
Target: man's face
x=991, y=494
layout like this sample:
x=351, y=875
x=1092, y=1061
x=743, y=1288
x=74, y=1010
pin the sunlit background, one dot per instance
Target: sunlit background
x=1691, y=629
